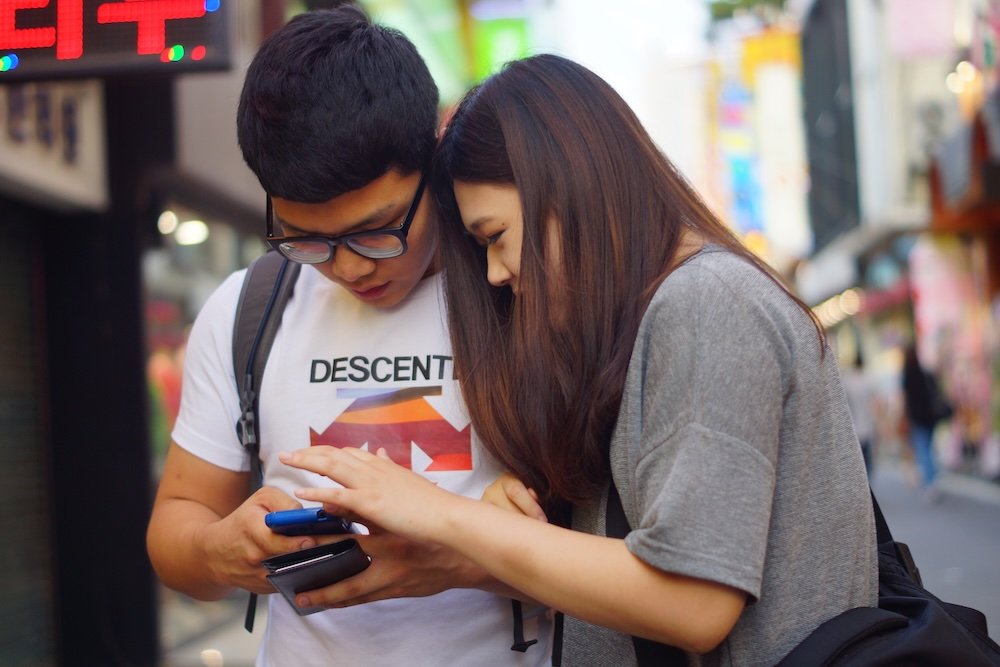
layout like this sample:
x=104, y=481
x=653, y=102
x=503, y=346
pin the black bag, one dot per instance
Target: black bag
x=910, y=626
x=941, y=409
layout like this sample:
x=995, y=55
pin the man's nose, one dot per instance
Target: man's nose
x=349, y=266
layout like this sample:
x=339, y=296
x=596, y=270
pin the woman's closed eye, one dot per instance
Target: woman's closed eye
x=485, y=241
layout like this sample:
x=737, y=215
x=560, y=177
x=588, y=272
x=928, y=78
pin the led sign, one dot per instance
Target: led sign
x=63, y=39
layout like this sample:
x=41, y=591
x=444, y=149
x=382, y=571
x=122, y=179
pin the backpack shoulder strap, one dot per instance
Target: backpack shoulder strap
x=647, y=652
x=883, y=536
x=267, y=286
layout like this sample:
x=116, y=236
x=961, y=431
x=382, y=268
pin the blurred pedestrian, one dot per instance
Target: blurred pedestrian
x=925, y=406
x=861, y=399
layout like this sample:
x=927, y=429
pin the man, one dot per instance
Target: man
x=337, y=119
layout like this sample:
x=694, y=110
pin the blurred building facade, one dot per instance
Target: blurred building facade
x=898, y=110
x=93, y=142
x=72, y=422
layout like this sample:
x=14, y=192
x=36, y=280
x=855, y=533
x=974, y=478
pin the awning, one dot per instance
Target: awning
x=965, y=175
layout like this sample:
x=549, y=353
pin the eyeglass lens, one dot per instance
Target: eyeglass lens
x=377, y=246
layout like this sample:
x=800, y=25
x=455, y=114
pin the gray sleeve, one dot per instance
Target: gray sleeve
x=705, y=394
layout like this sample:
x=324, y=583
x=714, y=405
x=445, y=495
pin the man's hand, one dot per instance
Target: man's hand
x=408, y=568
x=399, y=508
x=236, y=544
x=400, y=568
x=205, y=536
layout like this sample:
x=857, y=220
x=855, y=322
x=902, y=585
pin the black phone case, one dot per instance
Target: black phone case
x=298, y=575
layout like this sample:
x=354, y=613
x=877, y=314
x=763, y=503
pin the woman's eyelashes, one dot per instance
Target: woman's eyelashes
x=484, y=241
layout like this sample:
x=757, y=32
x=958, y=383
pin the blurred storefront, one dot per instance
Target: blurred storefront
x=45, y=173
x=965, y=206
x=900, y=133
x=200, y=238
x=86, y=122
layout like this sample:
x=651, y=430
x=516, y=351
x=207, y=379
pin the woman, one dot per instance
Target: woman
x=607, y=328
x=925, y=406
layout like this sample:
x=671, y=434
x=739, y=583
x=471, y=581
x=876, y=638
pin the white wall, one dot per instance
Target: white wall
x=652, y=52
x=896, y=83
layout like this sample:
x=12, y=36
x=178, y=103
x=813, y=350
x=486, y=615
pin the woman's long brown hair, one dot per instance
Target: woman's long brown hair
x=542, y=373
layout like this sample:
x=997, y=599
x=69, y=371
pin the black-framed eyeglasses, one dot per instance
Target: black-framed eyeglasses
x=374, y=244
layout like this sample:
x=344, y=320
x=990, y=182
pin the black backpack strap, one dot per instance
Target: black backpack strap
x=557, y=636
x=267, y=286
x=884, y=536
x=616, y=524
x=520, y=643
x=647, y=652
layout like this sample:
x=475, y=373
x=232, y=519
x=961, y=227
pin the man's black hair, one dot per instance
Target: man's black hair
x=331, y=102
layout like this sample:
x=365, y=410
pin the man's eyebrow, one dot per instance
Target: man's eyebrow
x=376, y=217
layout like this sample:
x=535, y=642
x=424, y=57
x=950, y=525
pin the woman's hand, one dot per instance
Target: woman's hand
x=407, y=517
x=375, y=491
x=509, y=493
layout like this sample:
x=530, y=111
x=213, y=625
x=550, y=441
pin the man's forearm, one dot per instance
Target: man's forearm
x=175, y=541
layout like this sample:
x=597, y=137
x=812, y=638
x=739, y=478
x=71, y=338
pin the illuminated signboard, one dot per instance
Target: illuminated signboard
x=62, y=39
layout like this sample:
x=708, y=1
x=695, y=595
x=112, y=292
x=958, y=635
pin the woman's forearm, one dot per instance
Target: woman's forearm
x=593, y=578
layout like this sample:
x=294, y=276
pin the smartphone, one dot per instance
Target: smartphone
x=309, y=569
x=307, y=521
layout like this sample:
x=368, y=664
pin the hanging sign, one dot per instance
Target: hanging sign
x=52, y=144
x=62, y=39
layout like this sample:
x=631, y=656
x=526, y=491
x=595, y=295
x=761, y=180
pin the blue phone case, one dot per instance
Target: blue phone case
x=306, y=521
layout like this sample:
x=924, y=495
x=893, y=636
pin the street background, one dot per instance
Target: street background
x=853, y=144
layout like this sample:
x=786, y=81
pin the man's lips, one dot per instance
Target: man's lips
x=371, y=292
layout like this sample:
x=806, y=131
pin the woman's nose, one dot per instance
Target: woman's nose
x=496, y=271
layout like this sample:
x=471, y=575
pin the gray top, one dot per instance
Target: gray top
x=737, y=462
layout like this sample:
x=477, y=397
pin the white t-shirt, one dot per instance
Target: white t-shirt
x=343, y=373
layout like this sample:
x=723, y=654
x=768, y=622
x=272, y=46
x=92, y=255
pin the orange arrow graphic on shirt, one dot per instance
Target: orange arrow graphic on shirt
x=396, y=420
